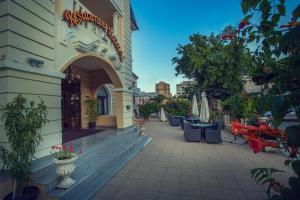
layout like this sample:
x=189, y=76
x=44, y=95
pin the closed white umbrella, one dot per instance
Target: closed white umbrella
x=162, y=115
x=204, y=110
x=195, y=110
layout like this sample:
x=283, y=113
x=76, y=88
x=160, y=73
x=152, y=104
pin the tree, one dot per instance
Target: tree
x=22, y=123
x=213, y=62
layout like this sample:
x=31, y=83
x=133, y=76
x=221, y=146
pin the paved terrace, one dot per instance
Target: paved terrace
x=171, y=168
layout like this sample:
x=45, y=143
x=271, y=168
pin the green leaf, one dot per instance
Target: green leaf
x=293, y=135
x=279, y=107
x=296, y=167
x=288, y=162
x=275, y=18
x=261, y=179
x=251, y=37
x=281, y=9
x=296, y=13
x=245, y=6
x=272, y=171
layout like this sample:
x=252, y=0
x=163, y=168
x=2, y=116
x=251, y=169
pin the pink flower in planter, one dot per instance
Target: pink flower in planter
x=71, y=147
x=64, y=148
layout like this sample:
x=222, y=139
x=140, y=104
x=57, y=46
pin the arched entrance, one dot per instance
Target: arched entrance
x=84, y=76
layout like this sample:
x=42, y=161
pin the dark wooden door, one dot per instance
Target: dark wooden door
x=71, y=110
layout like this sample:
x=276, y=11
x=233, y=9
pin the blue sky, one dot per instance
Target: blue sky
x=166, y=23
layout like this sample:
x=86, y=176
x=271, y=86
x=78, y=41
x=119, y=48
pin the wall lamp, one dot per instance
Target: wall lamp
x=35, y=62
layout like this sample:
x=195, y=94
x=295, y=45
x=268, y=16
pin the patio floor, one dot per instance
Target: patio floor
x=170, y=168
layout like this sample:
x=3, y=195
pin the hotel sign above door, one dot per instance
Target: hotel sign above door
x=75, y=18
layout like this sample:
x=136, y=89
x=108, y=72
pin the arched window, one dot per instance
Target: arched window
x=103, y=101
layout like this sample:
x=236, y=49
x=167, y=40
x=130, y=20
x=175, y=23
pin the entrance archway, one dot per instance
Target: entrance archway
x=84, y=75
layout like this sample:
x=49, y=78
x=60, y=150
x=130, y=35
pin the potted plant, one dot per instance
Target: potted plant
x=64, y=160
x=146, y=110
x=22, y=121
x=91, y=112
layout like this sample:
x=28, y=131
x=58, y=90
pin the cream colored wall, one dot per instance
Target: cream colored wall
x=24, y=34
x=27, y=30
x=34, y=86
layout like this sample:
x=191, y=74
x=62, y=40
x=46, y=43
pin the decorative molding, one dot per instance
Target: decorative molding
x=75, y=18
x=85, y=47
x=68, y=34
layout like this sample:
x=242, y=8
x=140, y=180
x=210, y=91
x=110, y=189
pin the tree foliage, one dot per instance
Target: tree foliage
x=277, y=60
x=178, y=107
x=213, y=62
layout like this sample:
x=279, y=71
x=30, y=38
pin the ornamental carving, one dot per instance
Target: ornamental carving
x=77, y=17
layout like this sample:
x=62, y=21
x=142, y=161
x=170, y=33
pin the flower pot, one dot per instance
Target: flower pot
x=29, y=193
x=64, y=169
x=92, y=125
x=142, y=129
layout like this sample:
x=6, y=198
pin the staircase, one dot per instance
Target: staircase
x=104, y=154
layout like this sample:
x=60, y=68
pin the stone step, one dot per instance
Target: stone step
x=90, y=159
x=43, y=166
x=88, y=182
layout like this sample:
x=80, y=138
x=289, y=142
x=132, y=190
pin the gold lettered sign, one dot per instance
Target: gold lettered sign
x=75, y=18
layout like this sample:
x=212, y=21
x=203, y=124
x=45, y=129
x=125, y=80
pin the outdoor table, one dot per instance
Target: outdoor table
x=202, y=127
x=194, y=120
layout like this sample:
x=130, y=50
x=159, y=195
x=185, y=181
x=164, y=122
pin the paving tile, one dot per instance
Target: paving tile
x=230, y=184
x=212, y=192
x=164, y=196
x=234, y=194
x=106, y=192
x=190, y=190
x=133, y=183
x=151, y=185
x=170, y=187
x=209, y=181
x=116, y=181
x=171, y=168
x=147, y=195
x=255, y=195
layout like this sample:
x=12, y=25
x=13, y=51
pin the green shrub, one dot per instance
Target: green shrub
x=147, y=109
x=178, y=107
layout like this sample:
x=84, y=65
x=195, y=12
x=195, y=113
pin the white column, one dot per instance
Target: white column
x=116, y=24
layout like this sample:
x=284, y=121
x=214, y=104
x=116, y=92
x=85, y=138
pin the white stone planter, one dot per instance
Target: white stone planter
x=142, y=129
x=64, y=169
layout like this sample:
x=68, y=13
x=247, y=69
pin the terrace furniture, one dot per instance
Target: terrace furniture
x=182, y=119
x=202, y=127
x=192, y=133
x=193, y=120
x=184, y=124
x=174, y=120
x=213, y=133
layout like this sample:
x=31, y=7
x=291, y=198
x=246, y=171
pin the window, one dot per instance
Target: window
x=103, y=101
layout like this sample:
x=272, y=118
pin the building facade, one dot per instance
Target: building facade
x=163, y=88
x=250, y=87
x=144, y=97
x=180, y=88
x=66, y=51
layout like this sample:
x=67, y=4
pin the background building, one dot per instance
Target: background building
x=184, y=84
x=163, y=88
x=250, y=86
x=144, y=97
